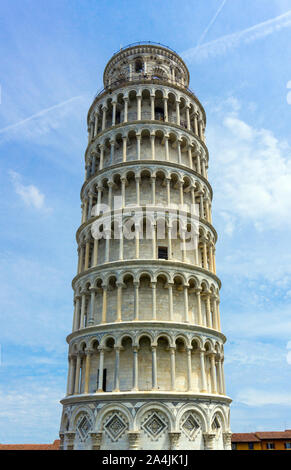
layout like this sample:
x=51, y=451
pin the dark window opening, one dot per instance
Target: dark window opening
x=117, y=117
x=104, y=379
x=251, y=446
x=159, y=114
x=162, y=252
x=138, y=66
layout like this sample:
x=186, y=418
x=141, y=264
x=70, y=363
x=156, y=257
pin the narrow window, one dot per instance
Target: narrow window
x=104, y=380
x=251, y=446
x=163, y=252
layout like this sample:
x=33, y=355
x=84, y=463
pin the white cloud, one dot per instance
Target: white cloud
x=223, y=44
x=251, y=170
x=253, y=397
x=29, y=194
x=28, y=406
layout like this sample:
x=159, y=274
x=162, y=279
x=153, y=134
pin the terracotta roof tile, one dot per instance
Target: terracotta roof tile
x=54, y=446
x=244, y=437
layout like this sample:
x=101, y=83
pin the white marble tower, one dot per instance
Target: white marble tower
x=146, y=348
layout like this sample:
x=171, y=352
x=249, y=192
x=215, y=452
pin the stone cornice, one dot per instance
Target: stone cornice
x=163, y=264
x=154, y=209
x=148, y=122
x=150, y=395
x=142, y=325
x=135, y=163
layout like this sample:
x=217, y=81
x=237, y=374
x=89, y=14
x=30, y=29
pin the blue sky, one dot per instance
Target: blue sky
x=52, y=60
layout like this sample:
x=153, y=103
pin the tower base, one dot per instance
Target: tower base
x=145, y=421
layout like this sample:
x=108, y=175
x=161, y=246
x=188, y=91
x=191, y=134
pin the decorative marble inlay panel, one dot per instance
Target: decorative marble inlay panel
x=83, y=427
x=115, y=426
x=154, y=425
x=190, y=425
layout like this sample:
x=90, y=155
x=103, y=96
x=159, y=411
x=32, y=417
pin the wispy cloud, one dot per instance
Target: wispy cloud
x=30, y=194
x=38, y=115
x=212, y=21
x=223, y=44
x=252, y=397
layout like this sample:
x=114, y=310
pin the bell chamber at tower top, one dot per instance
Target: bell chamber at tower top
x=149, y=62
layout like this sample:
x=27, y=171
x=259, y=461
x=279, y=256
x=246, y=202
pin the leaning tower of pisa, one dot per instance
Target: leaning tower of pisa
x=146, y=347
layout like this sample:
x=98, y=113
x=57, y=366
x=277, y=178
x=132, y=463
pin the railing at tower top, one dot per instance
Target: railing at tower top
x=142, y=77
x=143, y=43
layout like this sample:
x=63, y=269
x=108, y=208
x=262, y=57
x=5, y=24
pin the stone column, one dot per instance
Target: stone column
x=219, y=375
x=101, y=156
x=189, y=368
x=179, y=151
x=114, y=112
x=209, y=440
x=167, y=147
x=135, y=368
x=110, y=187
x=165, y=99
x=173, y=367
x=170, y=287
x=186, y=306
x=215, y=324
x=190, y=157
x=153, y=145
x=120, y=285
x=104, y=109
x=77, y=375
x=213, y=373
x=178, y=112
x=188, y=118
x=76, y=313
x=154, y=240
x=72, y=374
x=124, y=140
x=121, y=243
x=96, y=114
x=154, y=368
x=83, y=306
x=92, y=307
x=104, y=306
x=208, y=309
x=69, y=439
x=96, y=438
x=168, y=191
x=136, y=301
x=203, y=373
x=138, y=107
x=198, y=297
x=137, y=185
x=125, y=99
x=112, y=147
x=138, y=140
x=116, y=369
x=101, y=366
x=154, y=297
x=134, y=440
x=88, y=353
x=153, y=181
x=227, y=440
x=152, y=107
x=70, y=370
x=174, y=438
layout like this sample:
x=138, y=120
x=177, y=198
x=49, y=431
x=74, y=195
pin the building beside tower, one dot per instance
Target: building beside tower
x=146, y=349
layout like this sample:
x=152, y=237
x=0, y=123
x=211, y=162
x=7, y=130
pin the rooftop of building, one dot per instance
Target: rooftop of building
x=54, y=446
x=261, y=435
